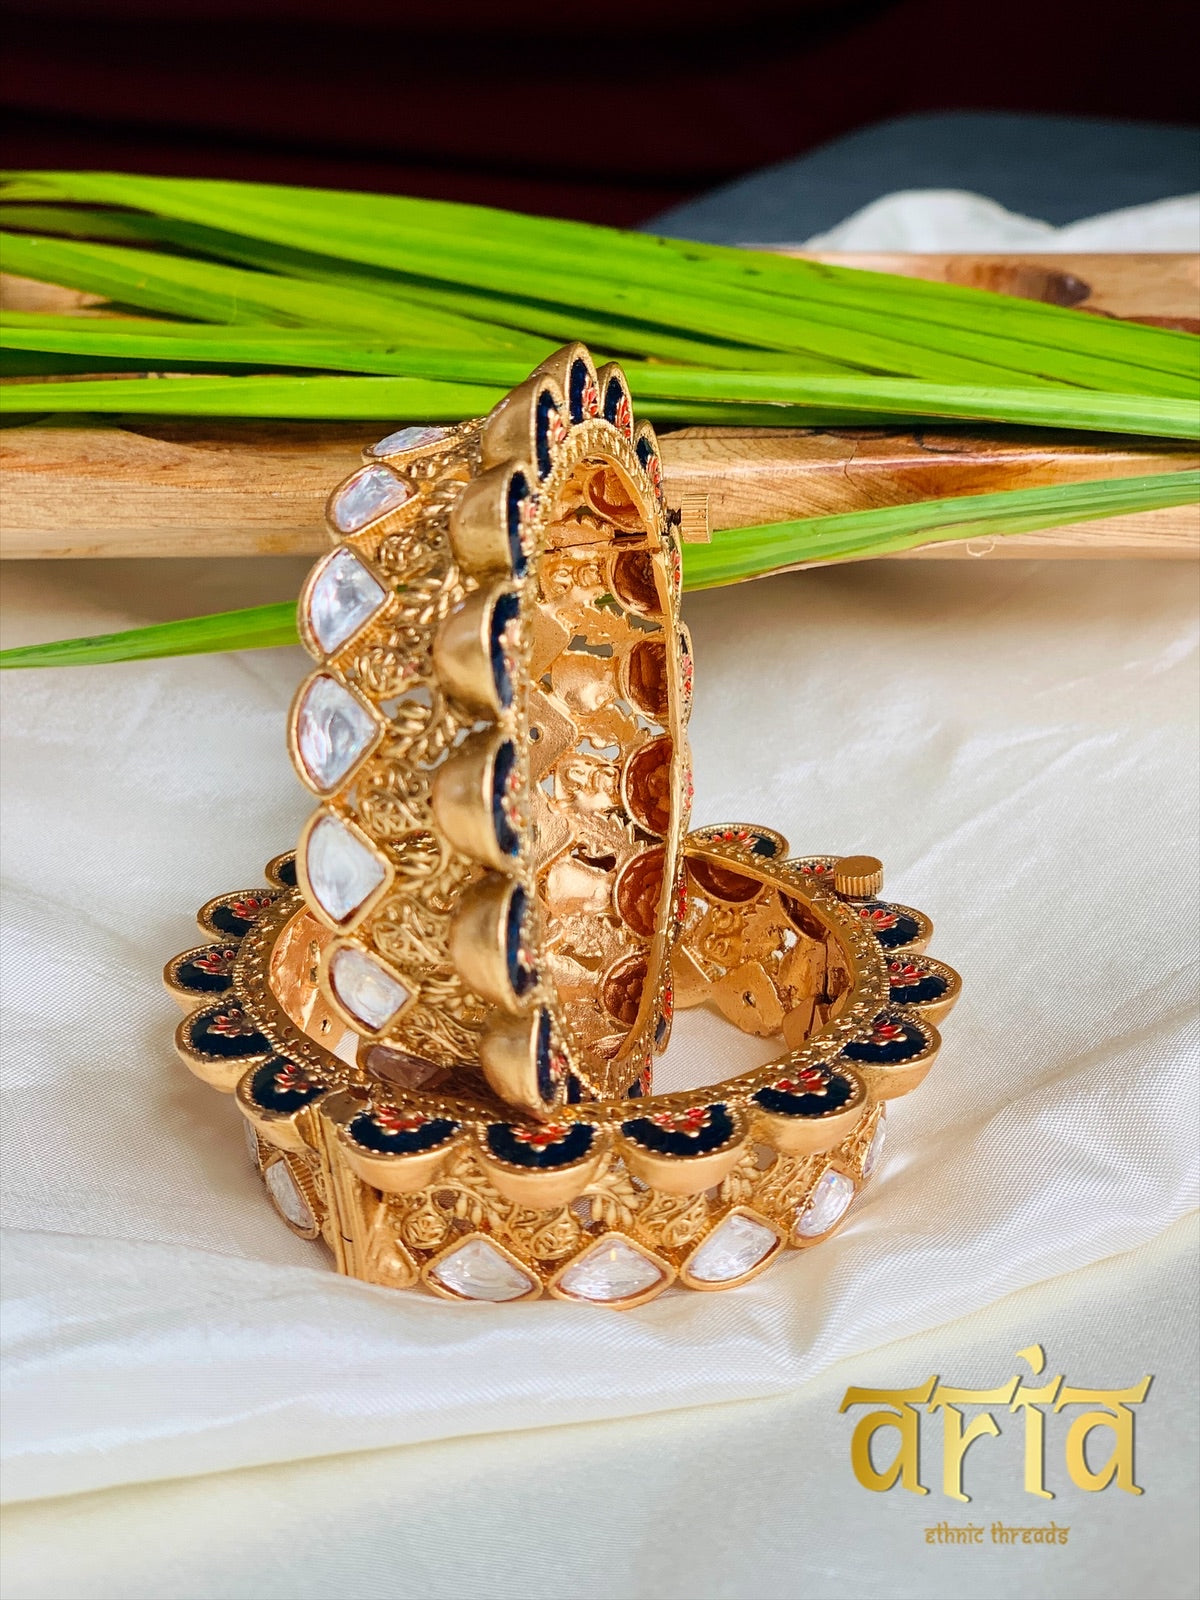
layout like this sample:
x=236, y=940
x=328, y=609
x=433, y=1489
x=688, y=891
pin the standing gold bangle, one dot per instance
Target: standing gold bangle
x=610, y=1202
x=497, y=734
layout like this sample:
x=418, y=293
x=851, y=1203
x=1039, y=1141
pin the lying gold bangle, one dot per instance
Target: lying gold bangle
x=497, y=734
x=610, y=1202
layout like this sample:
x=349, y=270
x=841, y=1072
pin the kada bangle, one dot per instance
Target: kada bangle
x=496, y=732
x=612, y=1201
x=439, y=1017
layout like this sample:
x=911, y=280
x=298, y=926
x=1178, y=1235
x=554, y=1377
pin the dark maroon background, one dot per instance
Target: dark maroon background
x=606, y=109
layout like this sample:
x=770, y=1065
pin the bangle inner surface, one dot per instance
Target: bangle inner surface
x=607, y=761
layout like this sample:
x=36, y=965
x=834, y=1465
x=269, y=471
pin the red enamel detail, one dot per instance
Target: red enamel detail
x=809, y=1080
x=817, y=869
x=249, y=906
x=391, y=1119
x=556, y=428
x=526, y=516
x=590, y=399
x=902, y=974
x=878, y=916
x=233, y=1024
x=543, y=1137
x=668, y=1000
x=654, y=470
x=510, y=799
x=624, y=417
x=888, y=1032
x=292, y=1080
x=218, y=962
x=691, y=1122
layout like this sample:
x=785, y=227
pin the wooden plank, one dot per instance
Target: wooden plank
x=158, y=487
x=251, y=488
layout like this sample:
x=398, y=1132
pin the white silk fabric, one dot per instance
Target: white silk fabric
x=1010, y=737
x=1015, y=739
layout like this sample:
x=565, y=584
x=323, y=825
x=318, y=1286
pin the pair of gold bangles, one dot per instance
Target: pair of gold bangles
x=439, y=1016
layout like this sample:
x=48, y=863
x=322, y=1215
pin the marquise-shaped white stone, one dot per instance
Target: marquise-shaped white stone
x=341, y=871
x=833, y=1193
x=478, y=1271
x=333, y=731
x=372, y=492
x=610, y=1270
x=405, y=439
x=364, y=988
x=732, y=1250
x=341, y=597
x=285, y=1192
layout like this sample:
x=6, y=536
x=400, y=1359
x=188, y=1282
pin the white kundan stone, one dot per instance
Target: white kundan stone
x=341, y=871
x=733, y=1249
x=333, y=731
x=342, y=596
x=251, y=1139
x=372, y=492
x=833, y=1193
x=478, y=1271
x=610, y=1270
x=285, y=1192
x=406, y=439
x=875, y=1148
x=364, y=988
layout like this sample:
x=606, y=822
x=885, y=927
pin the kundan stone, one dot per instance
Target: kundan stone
x=334, y=730
x=422, y=437
x=289, y=1201
x=371, y=493
x=341, y=598
x=478, y=1271
x=342, y=873
x=614, y=1269
x=875, y=1148
x=251, y=1138
x=733, y=1249
x=833, y=1193
x=364, y=988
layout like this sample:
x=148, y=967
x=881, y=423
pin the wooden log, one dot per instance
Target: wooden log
x=159, y=487
x=166, y=487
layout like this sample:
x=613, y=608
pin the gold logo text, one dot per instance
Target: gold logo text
x=959, y=1433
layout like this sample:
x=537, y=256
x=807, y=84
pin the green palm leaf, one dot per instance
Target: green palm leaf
x=661, y=392
x=916, y=329
x=733, y=556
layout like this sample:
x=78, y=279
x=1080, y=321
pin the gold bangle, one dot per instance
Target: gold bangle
x=611, y=1202
x=496, y=730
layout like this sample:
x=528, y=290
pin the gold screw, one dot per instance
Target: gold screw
x=693, y=519
x=858, y=877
